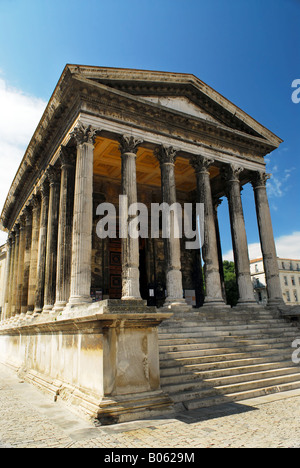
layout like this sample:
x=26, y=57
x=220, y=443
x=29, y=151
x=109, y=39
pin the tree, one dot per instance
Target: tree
x=231, y=287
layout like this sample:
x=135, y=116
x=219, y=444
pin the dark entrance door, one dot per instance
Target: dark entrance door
x=115, y=269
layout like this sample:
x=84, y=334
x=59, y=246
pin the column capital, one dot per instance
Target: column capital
x=53, y=175
x=84, y=134
x=11, y=238
x=44, y=189
x=201, y=163
x=22, y=221
x=165, y=154
x=27, y=214
x=67, y=156
x=260, y=179
x=129, y=144
x=35, y=201
x=17, y=229
x=9, y=241
x=231, y=172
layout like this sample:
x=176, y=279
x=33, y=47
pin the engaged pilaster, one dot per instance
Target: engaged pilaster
x=231, y=175
x=267, y=238
x=213, y=286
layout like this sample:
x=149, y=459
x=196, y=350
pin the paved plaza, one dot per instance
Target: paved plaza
x=30, y=419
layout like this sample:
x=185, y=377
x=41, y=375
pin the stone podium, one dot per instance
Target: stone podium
x=102, y=359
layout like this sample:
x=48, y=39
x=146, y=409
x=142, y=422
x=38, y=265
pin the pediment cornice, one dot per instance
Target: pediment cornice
x=118, y=92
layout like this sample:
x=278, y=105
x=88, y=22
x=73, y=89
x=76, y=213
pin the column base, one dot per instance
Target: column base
x=79, y=300
x=47, y=309
x=177, y=304
x=214, y=302
x=131, y=298
x=59, y=306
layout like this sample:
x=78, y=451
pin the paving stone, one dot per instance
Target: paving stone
x=29, y=419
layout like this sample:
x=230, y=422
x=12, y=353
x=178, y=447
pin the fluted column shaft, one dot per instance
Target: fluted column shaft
x=130, y=246
x=51, y=249
x=64, y=248
x=214, y=295
x=239, y=236
x=6, y=281
x=267, y=238
x=41, y=258
x=15, y=271
x=80, y=290
x=22, y=240
x=167, y=157
x=11, y=275
x=36, y=212
x=27, y=255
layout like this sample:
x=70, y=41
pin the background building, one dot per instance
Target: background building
x=289, y=273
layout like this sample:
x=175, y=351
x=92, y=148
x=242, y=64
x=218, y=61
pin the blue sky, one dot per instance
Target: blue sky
x=246, y=50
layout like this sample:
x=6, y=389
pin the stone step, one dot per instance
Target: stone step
x=284, y=372
x=213, y=358
x=218, y=365
x=268, y=332
x=182, y=346
x=231, y=371
x=208, y=341
x=226, y=328
x=167, y=325
x=189, y=326
x=194, y=352
x=289, y=373
x=206, y=402
x=201, y=391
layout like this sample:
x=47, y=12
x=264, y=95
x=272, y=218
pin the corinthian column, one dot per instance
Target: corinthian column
x=267, y=238
x=11, y=275
x=41, y=258
x=64, y=247
x=15, y=271
x=27, y=254
x=51, y=250
x=36, y=211
x=7, y=274
x=167, y=157
x=239, y=237
x=130, y=246
x=80, y=290
x=21, y=254
x=213, y=285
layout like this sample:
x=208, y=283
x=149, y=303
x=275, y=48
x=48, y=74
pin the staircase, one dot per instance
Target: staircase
x=208, y=358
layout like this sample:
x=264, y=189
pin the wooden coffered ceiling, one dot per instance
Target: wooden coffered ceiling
x=107, y=163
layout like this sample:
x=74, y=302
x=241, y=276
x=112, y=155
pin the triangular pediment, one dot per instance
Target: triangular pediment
x=179, y=92
x=181, y=104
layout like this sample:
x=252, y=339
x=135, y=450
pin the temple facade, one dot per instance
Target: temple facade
x=152, y=137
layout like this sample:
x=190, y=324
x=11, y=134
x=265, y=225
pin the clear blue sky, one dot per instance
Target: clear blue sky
x=248, y=51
